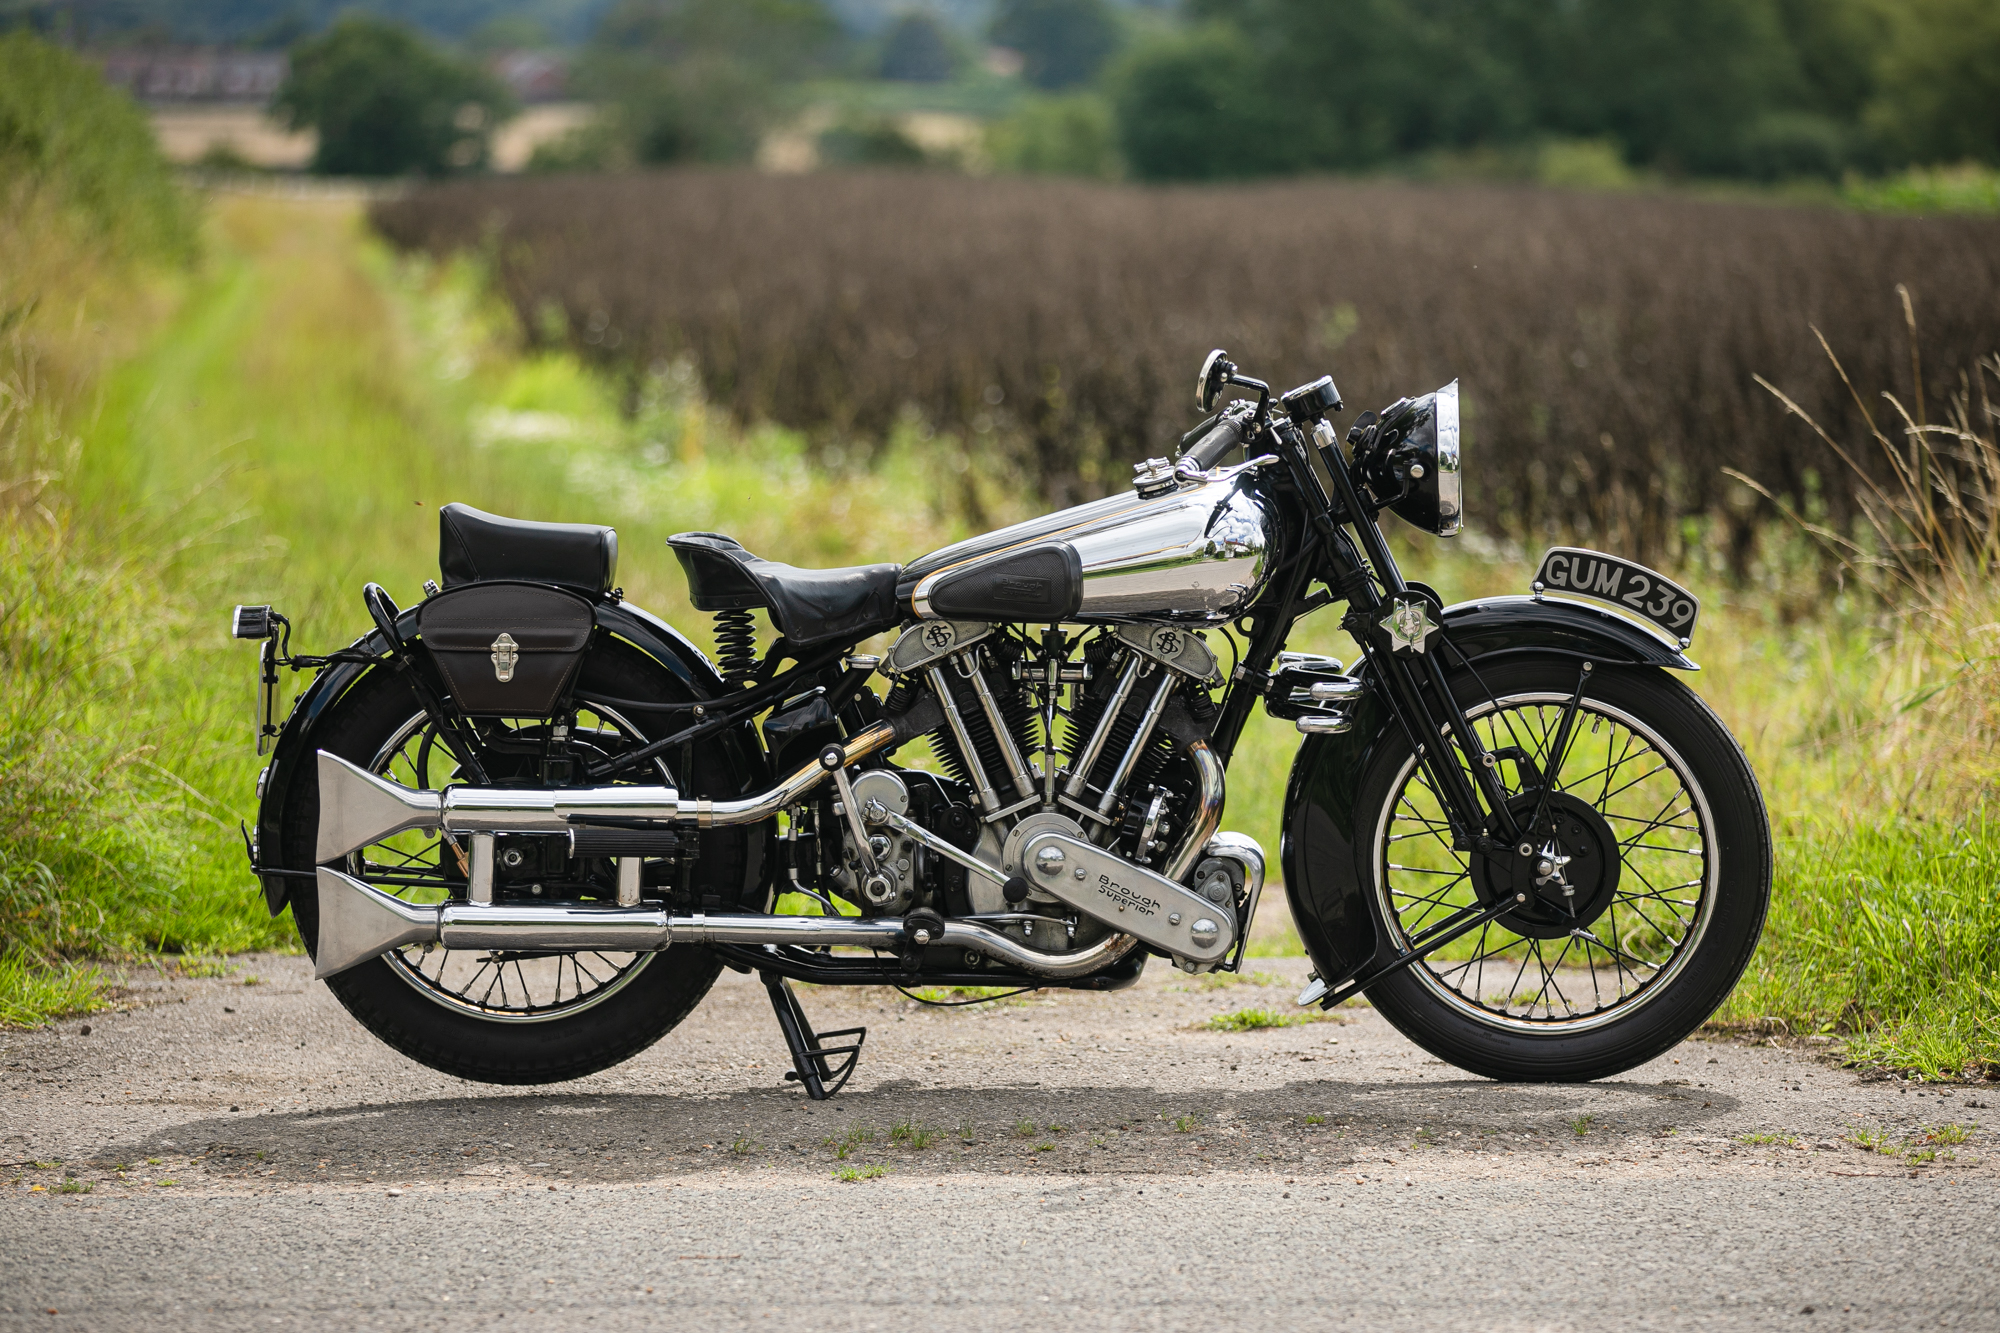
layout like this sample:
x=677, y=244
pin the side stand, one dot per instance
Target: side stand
x=818, y=1066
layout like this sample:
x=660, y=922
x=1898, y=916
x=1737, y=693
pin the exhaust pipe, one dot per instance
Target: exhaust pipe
x=358, y=922
x=357, y=808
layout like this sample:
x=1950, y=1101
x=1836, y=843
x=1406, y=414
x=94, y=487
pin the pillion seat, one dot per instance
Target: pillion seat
x=477, y=547
x=808, y=606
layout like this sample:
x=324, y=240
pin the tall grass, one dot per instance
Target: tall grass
x=1891, y=930
x=1606, y=342
x=91, y=846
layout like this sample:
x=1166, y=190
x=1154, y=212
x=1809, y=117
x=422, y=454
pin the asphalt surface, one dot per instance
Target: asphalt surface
x=227, y=1155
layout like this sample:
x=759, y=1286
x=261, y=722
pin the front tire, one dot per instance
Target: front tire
x=1662, y=857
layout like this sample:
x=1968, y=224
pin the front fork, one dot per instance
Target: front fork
x=1471, y=793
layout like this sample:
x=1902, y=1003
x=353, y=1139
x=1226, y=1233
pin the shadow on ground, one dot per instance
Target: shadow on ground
x=620, y=1137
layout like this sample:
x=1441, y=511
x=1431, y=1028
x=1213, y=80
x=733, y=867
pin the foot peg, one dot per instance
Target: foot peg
x=818, y=1066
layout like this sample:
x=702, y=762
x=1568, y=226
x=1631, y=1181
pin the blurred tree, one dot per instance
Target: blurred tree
x=1716, y=87
x=1681, y=84
x=1061, y=42
x=699, y=80
x=870, y=142
x=385, y=103
x=1940, y=82
x=1190, y=106
x=781, y=38
x=917, y=49
x=509, y=32
x=1057, y=136
x=75, y=147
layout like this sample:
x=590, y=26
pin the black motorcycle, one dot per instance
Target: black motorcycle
x=523, y=825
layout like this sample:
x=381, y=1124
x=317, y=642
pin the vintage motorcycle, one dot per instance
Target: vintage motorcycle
x=523, y=825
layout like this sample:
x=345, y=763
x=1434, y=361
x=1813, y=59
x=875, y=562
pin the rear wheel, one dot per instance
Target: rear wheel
x=515, y=1017
x=1645, y=898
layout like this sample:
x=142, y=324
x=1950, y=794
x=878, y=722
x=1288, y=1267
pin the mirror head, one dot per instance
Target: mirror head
x=1215, y=373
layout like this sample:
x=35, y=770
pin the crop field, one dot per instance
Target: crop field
x=279, y=419
x=1607, y=343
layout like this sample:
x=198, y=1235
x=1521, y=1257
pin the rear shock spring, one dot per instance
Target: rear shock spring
x=735, y=646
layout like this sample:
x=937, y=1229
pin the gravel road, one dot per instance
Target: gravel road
x=236, y=1152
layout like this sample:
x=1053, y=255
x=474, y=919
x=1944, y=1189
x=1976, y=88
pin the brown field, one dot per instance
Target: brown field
x=1606, y=343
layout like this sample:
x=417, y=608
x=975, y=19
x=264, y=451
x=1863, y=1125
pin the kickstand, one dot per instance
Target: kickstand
x=813, y=1063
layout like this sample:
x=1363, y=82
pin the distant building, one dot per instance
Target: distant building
x=194, y=74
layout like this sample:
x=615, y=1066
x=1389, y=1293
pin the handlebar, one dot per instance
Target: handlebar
x=1209, y=449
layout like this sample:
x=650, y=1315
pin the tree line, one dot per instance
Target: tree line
x=1760, y=89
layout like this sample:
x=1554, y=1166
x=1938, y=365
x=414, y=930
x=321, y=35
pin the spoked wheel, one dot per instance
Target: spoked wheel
x=519, y=1017
x=1645, y=893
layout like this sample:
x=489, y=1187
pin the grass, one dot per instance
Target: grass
x=850, y=1174
x=913, y=1135
x=1253, y=1020
x=1926, y=1145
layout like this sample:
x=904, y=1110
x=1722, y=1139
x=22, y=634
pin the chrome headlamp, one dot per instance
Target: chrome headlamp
x=1412, y=461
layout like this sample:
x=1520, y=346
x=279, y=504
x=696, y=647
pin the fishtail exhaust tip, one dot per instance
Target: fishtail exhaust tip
x=358, y=922
x=357, y=808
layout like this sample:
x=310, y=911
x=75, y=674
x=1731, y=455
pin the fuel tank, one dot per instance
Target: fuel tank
x=1199, y=553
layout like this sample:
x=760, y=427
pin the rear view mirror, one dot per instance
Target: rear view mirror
x=1215, y=372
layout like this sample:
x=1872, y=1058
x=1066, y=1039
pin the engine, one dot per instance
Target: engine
x=1059, y=764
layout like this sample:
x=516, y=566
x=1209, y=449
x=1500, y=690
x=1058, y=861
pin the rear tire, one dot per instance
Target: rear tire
x=1668, y=941
x=660, y=991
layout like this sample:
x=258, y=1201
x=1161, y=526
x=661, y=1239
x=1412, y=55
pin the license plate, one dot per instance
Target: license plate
x=1632, y=588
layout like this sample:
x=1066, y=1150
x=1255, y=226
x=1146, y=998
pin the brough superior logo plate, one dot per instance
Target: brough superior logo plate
x=1632, y=588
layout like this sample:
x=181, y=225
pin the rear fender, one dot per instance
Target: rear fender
x=292, y=756
x=1329, y=896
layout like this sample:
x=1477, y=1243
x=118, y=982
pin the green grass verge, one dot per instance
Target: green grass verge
x=1888, y=936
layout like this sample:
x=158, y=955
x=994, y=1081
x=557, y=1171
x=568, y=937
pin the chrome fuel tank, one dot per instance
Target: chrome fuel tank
x=1199, y=554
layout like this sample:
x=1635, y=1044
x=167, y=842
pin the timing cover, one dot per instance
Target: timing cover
x=1129, y=898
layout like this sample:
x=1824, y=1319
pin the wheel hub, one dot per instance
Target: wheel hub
x=1569, y=868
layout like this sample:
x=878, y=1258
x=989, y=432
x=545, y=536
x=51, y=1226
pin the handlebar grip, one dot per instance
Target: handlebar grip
x=1210, y=448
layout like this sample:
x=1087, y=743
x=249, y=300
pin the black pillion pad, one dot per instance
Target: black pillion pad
x=477, y=547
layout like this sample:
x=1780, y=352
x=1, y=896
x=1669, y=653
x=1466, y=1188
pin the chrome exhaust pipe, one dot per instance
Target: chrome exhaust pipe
x=1206, y=817
x=357, y=808
x=358, y=922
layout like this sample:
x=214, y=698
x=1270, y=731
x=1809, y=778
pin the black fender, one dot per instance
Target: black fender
x=292, y=755
x=1330, y=905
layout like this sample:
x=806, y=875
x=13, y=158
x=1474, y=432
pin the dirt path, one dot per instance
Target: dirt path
x=1094, y=1156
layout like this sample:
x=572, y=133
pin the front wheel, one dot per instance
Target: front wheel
x=1645, y=898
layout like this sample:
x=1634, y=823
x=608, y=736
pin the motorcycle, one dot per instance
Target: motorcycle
x=523, y=825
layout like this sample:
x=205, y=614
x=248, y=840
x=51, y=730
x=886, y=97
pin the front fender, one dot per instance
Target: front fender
x=1323, y=885
x=293, y=752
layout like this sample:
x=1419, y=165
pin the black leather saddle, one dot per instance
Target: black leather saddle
x=476, y=547
x=807, y=605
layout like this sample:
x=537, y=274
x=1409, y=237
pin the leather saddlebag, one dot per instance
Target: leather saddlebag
x=506, y=649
